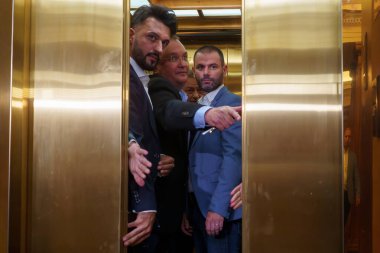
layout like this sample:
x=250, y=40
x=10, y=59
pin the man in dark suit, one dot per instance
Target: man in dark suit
x=215, y=165
x=174, y=117
x=172, y=72
x=351, y=176
x=151, y=29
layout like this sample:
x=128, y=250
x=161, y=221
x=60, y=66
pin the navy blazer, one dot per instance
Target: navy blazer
x=142, y=126
x=215, y=163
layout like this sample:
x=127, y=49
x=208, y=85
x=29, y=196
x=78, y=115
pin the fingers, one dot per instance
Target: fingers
x=139, y=181
x=236, y=204
x=185, y=227
x=214, y=223
x=237, y=109
x=142, y=151
x=237, y=189
x=138, y=164
x=136, y=236
x=166, y=164
x=142, y=229
x=236, y=200
x=213, y=228
x=223, y=117
x=144, y=162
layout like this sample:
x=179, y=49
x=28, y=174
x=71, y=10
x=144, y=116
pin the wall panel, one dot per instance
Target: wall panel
x=293, y=125
x=75, y=177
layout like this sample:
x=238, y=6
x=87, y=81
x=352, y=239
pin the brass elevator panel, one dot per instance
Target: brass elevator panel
x=64, y=111
x=292, y=126
x=75, y=194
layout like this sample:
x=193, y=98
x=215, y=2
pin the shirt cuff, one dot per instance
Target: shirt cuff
x=199, y=117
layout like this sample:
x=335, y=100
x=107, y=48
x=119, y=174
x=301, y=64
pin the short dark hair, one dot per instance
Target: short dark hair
x=161, y=13
x=209, y=49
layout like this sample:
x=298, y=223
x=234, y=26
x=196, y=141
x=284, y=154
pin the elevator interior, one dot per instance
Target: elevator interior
x=64, y=106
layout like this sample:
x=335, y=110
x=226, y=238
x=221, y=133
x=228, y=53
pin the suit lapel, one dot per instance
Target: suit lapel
x=214, y=103
x=218, y=96
x=144, y=96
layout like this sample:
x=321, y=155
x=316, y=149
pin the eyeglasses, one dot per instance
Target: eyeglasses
x=176, y=58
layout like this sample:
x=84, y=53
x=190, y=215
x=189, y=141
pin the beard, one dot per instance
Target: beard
x=213, y=85
x=141, y=59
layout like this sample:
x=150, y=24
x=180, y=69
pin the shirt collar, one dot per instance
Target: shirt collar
x=183, y=95
x=139, y=71
x=209, y=97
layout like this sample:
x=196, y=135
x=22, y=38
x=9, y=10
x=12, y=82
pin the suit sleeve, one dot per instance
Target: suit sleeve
x=140, y=198
x=170, y=111
x=231, y=169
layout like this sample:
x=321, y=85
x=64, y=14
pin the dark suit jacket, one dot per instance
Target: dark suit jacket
x=171, y=113
x=143, y=127
x=353, y=179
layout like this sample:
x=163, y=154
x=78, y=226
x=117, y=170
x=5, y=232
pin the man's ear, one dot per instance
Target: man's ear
x=225, y=70
x=131, y=34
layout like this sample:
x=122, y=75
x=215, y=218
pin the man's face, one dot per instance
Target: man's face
x=347, y=138
x=192, y=90
x=208, y=70
x=147, y=42
x=174, y=65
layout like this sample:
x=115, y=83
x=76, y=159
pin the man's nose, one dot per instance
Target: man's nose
x=159, y=47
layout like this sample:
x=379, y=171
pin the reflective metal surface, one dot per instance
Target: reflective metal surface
x=76, y=176
x=20, y=125
x=5, y=103
x=292, y=126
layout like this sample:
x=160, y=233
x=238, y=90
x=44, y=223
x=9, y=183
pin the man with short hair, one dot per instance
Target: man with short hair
x=150, y=32
x=174, y=117
x=151, y=29
x=215, y=165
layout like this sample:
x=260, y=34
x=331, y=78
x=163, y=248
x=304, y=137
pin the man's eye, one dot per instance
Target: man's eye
x=165, y=43
x=151, y=37
x=213, y=67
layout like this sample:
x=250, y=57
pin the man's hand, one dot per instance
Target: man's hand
x=138, y=164
x=165, y=165
x=143, y=227
x=214, y=223
x=236, y=200
x=186, y=228
x=223, y=117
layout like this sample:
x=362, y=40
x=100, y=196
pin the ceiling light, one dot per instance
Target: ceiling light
x=221, y=12
x=137, y=3
x=186, y=13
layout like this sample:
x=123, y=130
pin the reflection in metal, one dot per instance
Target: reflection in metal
x=292, y=95
x=75, y=194
x=5, y=108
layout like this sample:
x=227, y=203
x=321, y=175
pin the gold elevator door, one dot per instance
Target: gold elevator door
x=63, y=109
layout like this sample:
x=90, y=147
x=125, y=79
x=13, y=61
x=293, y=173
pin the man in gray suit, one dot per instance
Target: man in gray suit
x=351, y=176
